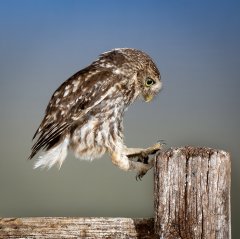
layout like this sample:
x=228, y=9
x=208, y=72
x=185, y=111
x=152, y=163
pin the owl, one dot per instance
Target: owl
x=85, y=114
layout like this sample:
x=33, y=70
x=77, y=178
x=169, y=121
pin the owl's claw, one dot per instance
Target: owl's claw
x=144, y=169
x=142, y=172
x=140, y=175
x=143, y=163
x=144, y=155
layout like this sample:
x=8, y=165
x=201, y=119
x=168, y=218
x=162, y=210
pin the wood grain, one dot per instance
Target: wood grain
x=66, y=227
x=192, y=193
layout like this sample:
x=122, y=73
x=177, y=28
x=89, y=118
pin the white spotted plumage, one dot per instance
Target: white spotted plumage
x=85, y=113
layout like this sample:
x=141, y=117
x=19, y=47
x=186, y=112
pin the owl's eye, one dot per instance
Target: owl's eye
x=149, y=82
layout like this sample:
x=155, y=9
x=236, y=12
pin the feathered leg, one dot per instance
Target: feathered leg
x=122, y=159
x=142, y=154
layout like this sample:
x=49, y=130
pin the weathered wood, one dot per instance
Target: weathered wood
x=62, y=227
x=192, y=194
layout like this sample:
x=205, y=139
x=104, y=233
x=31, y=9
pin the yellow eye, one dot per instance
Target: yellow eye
x=149, y=82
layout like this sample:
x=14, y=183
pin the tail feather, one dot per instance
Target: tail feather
x=53, y=156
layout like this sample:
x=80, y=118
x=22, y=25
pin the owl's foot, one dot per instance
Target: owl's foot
x=143, y=157
x=153, y=149
x=124, y=160
x=139, y=176
x=143, y=154
x=143, y=170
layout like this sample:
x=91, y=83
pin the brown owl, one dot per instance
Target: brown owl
x=85, y=113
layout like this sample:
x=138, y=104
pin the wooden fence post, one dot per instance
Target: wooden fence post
x=192, y=194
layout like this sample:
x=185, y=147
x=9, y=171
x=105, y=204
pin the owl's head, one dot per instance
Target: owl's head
x=148, y=78
x=137, y=66
x=149, y=81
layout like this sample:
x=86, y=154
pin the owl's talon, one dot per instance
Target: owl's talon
x=144, y=170
x=140, y=175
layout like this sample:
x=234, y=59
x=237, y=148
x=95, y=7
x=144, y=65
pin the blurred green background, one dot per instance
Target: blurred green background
x=196, y=47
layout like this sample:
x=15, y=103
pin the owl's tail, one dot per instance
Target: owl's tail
x=53, y=156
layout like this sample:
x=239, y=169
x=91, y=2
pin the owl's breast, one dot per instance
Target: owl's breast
x=101, y=132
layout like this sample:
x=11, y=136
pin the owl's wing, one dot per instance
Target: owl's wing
x=70, y=103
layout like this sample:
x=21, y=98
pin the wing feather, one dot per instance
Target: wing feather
x=69, y=105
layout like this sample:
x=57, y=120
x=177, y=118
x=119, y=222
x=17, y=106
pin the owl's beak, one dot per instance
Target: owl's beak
x=148, y=98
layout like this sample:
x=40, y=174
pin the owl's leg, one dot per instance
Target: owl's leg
x=122, y=161
x=142, y=154
x=143, y=157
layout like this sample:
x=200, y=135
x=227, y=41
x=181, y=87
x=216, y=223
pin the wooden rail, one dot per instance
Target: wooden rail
x=192, y=200
x=68, y=227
